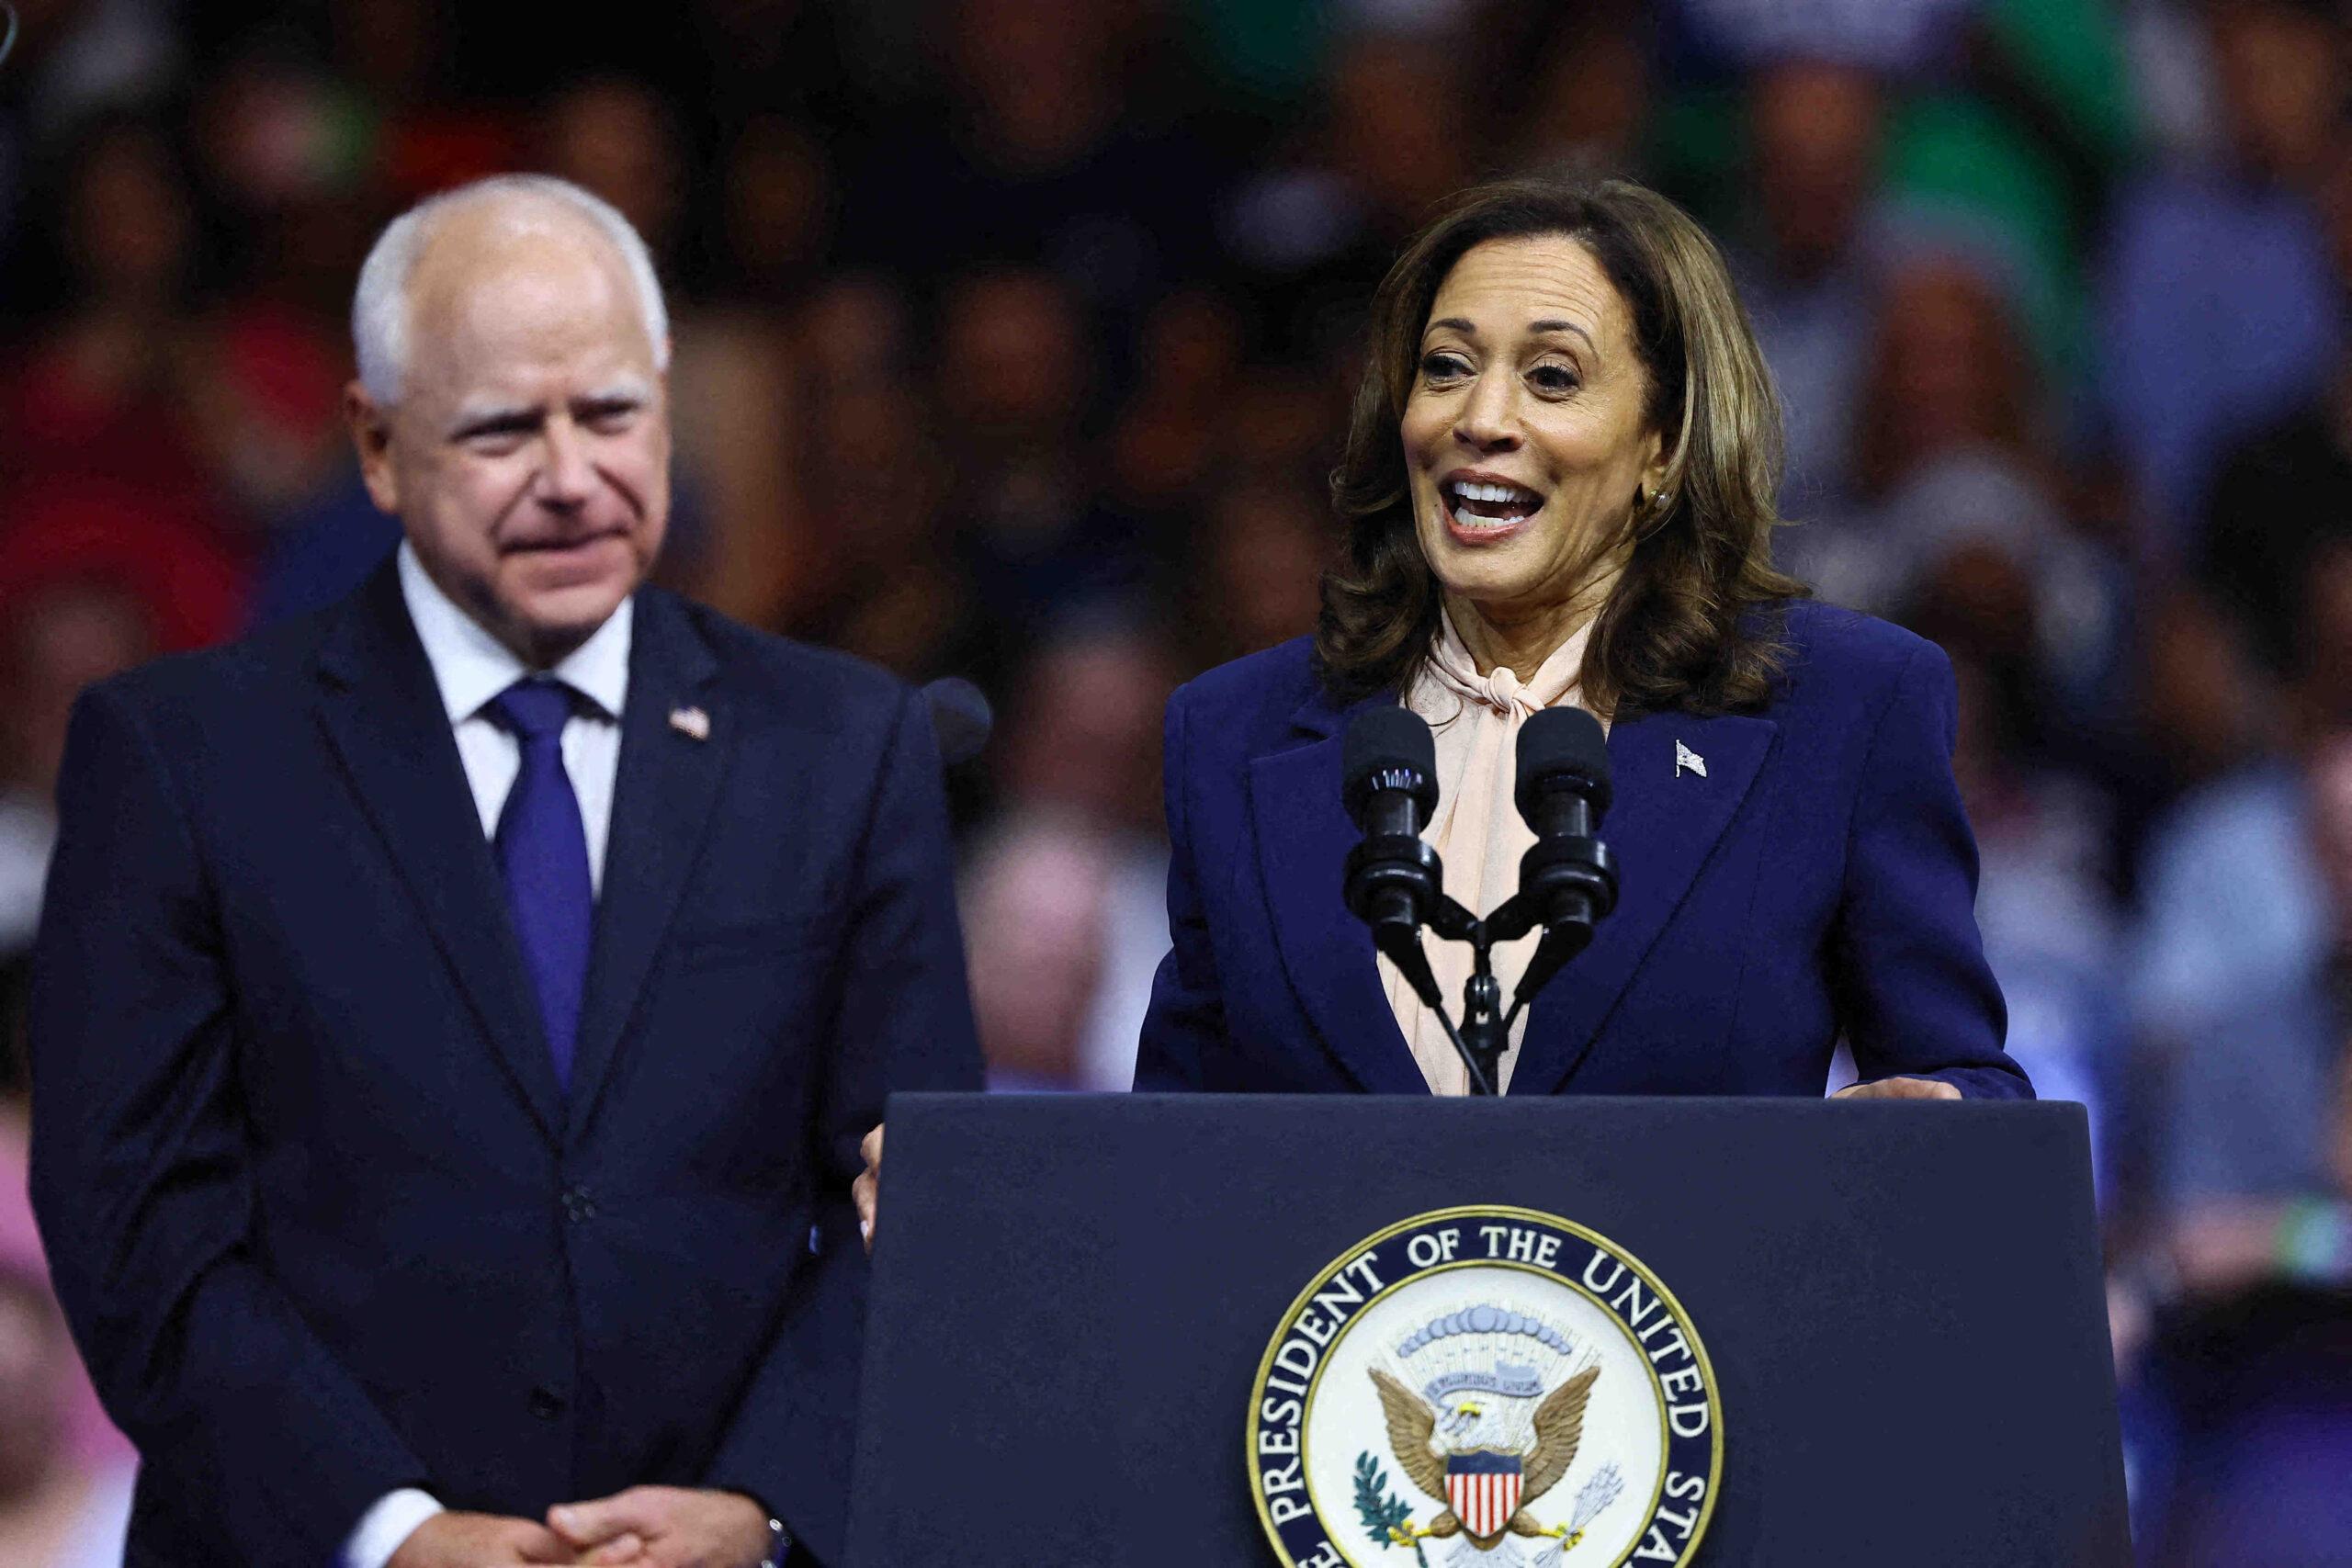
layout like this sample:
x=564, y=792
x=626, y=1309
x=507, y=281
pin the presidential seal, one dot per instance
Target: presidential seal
x=1485, y=1388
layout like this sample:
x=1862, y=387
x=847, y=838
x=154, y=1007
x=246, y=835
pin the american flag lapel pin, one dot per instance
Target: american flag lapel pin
x=690, y=722
x=1686, y=758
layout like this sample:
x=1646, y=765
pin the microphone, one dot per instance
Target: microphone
x=960, y=718
x=1568, y=880
x=1389, y=773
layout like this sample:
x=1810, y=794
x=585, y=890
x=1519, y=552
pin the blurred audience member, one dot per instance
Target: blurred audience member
x=1014, y=372
x=106, y=393
x=1941, y=372
x=1815, y=130
x=1948, y=373
x=1280, y=421
x=777, y=205
x=65, y=1478
x=2248, y=900
x=1314, y=230
x=893, y=589
x=56, y=638
x=71, y=61
x=1945, y=441
x=616, y=135
x=1974, y=526
x=58, y=633
x=2051, y=931
x=54, y=1513
x=1096, y=691
x=1035, y=895
x=2221, y=312
x=2008, y=149
x=398, y=57
x=2231, y=1244
x=271, y=367
x=292, y=166
x=2287, y=494
x=856, y=330
x=1587, y=104
x=1254, y=579
x=735, y=541
x=191, y=591
x=1167, y=443
x=2205, y=708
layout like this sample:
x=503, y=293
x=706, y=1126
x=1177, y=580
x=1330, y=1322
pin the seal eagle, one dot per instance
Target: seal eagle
x=1559, y=1428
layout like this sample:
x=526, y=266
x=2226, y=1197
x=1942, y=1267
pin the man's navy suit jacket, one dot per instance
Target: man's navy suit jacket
x=1817, y=877
x=322, y=1218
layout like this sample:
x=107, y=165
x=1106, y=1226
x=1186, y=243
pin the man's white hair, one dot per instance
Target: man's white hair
x=380, y=306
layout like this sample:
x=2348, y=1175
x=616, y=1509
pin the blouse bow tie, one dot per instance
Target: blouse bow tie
x=1501, y=691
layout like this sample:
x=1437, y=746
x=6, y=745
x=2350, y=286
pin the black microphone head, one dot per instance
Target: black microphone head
x=1563, y=749
x=1387, y=747
x=960, y=718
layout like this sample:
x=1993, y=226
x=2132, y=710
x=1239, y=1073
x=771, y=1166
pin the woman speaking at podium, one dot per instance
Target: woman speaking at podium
x=1558, y=490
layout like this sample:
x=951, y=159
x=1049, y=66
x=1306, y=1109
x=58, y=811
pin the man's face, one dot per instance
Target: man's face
x=528, y=457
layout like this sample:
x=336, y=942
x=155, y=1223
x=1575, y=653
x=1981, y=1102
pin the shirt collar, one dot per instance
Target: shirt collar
x=470, y=666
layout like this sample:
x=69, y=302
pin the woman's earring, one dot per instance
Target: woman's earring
x=1655, y=506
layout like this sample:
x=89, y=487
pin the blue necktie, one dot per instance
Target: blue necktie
x=543, y=853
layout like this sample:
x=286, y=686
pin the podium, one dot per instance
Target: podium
x=1075, y=1300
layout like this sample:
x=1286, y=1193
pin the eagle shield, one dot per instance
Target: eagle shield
x=1482, y=1487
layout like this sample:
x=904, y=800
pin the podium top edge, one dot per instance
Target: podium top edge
x=1116, y=1102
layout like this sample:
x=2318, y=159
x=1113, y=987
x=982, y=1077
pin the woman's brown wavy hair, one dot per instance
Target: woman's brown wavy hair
x=1679, y=630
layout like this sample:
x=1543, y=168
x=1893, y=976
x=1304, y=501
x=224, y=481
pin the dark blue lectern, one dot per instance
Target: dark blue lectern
x=1072, y=1297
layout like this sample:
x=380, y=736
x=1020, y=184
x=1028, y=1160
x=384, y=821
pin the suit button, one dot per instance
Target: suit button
x=577, y=1205
x=545, y=1404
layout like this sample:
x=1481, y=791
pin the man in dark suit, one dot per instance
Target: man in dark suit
x=457, y=1013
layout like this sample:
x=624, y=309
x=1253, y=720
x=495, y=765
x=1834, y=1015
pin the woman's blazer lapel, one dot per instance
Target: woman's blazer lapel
x=1678, y=781
x=1304, y=836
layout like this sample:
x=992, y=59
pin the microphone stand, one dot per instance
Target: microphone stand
x=1484, y=1031
x=1395, y=883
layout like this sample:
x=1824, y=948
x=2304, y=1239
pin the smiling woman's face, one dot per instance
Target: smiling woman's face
x=1524, y=433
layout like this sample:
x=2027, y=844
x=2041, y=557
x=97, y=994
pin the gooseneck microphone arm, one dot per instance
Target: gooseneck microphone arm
x=1567, y=880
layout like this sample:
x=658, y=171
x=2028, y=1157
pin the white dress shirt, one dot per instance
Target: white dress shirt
x=471, y=666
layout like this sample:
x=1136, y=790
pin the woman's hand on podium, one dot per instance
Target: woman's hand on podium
x=867, y=1191
x=1888, y=1088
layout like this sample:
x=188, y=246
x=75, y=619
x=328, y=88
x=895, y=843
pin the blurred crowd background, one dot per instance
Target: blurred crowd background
x=1014, y=339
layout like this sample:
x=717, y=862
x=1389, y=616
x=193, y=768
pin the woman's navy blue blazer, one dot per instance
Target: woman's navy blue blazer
x=1786, y=877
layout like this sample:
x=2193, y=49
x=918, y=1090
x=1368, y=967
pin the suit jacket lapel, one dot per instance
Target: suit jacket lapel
x=1303, y=837
x=663, y=801
x=1662, y=829
x=383, y=713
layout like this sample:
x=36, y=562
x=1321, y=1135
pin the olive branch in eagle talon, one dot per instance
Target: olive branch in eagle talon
x=1559, y=1430
x=1388, y=1519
